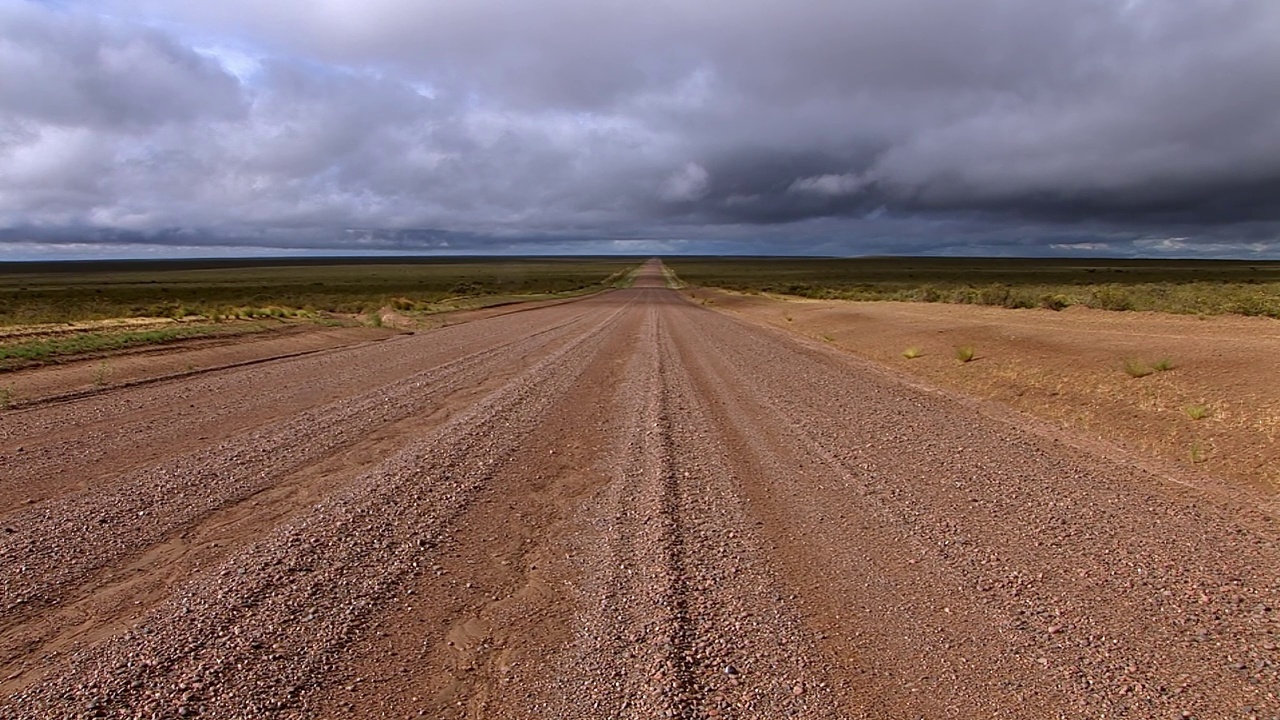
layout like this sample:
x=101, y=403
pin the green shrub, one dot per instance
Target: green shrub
x=101, y=373
x=1109, y=297
x=1054, y=302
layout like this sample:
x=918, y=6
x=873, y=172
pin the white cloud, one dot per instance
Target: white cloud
x=243, y=65
x=830, y=185
x=687, y=184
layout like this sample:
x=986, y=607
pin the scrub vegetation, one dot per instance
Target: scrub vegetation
x=63, y=292
x=1210, y=287
x=58, y=310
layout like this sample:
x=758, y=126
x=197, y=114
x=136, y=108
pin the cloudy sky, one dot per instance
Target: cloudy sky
x=176, y=127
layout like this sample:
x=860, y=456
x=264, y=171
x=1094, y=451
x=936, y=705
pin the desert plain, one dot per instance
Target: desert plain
x=654, y=501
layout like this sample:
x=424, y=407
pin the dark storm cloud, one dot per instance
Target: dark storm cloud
x=922, y=125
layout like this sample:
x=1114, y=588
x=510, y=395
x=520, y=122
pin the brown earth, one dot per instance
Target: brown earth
x=1068, y=368
x=624, y=506
x=93, y=372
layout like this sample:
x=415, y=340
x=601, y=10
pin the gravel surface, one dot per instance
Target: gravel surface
x=626, y=506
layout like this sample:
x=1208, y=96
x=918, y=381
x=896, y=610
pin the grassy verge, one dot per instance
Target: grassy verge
x=44, y=349
x=1174, y=286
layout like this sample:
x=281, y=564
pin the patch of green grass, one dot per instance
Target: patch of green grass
x=6, y=397
x=1162, y=365
x=912, y=353
x=1198, y=453
x=45, y=349
x=1198, y=412
x=965, y=353
x=1135, y=368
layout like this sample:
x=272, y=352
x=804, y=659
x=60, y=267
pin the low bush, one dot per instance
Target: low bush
x=1136, y=368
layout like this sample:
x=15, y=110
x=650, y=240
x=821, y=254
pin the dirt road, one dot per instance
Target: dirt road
x=627, y=506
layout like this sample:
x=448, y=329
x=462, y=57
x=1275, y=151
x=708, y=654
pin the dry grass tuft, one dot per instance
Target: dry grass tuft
x=1198, y=412
x=1135, y=368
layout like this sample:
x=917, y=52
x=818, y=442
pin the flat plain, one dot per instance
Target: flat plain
x=633, y=504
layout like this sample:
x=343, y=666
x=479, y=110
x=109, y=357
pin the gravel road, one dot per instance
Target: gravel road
x=628, y=506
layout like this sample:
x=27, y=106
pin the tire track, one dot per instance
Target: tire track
x=226, y=643
x=68, y=548
x=753, y=656
x=49, y=451
x=497, y=600
x=673, y=623
x=618, y=623
x=1109, y=596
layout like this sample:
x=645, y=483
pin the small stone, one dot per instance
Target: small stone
x=730, y=670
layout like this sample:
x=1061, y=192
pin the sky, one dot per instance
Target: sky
x=171, y=128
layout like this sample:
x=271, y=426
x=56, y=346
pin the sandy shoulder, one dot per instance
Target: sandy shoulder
x=1068, y=368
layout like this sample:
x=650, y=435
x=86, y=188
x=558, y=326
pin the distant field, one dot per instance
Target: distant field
x=1176, y=286
x=36, y=293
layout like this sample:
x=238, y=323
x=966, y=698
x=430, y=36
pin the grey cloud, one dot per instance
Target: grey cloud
x=990, y=124
x=74, y=70
x=687, y=184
